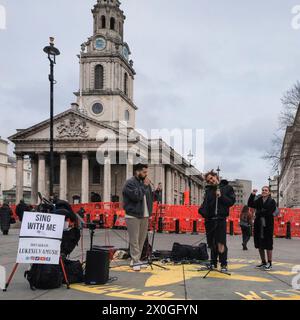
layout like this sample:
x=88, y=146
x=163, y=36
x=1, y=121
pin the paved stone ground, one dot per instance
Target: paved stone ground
x=245, y=281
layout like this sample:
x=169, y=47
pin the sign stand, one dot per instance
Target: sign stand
x=17, y=264
x=37, y=228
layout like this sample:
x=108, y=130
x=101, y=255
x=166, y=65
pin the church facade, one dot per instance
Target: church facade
x=289, y=180
x=95, y=140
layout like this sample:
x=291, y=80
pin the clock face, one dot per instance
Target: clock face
x=100, y=43
x=126, y=53
x=97, y=108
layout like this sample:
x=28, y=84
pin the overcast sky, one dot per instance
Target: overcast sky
x=216, y=65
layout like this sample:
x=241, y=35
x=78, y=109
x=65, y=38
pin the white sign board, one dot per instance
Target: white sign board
x=40, y=238
x=42, y=225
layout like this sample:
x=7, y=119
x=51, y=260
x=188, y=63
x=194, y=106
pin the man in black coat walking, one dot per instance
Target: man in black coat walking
x=219, y=197
x=5, y=218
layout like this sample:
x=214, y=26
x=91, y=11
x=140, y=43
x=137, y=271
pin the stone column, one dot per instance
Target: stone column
x=107, y=180
x=168, y=187
x=34, y=180
x=193, y=192
x=200, y=195
x=19, y=178
x=63, y=174
x=85, y=178
x=42, y=174
x=129, y=166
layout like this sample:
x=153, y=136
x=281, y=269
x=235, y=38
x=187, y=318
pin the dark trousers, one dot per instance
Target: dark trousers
x=216, y=233
x=246, y=232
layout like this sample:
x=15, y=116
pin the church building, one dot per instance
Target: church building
x=95, y=141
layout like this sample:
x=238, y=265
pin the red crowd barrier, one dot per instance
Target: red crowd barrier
x=185, y=216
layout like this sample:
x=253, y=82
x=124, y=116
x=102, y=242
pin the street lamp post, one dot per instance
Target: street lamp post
x=52, y=52
x=190, y=157
x=218, y=171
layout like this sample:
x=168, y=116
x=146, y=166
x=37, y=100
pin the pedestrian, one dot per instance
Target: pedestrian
x=21, y=208
x=219, y=197
x=158, y=193
x=263, y=225
x=6, y=216
x=246, y=226
x=95, y=197
x=138, y=204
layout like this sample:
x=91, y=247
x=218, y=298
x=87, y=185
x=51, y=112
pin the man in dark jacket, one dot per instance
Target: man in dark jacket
x=263, y=225
x=5, y=217
x=21, y=208
x=138, y=202
x=219, y=197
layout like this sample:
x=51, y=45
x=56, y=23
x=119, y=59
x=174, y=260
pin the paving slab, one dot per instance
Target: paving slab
x=178, y=282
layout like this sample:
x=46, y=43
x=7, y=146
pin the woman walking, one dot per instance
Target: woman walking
x=5, y=218
x=246, y=226
x=263, y=225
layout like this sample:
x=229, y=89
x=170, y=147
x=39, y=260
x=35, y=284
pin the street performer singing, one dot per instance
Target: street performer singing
x=219, y=197
x=138, y=203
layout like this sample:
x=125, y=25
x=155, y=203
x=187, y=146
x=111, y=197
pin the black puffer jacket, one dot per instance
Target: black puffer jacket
x=227, y=200
x=5, y=215
x=133, y=197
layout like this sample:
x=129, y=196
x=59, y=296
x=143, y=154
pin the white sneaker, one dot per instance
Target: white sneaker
x=136, y=267
x=144, y=264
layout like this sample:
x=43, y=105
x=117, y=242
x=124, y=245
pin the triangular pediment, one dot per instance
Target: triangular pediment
x=69, y=125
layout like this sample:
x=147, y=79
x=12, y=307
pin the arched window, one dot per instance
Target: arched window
x=99, y=77
x=112, y=23
x=103, y=22
x=127, y=115
x=126, y=84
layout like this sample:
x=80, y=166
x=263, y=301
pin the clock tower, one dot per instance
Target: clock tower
x=106, y=73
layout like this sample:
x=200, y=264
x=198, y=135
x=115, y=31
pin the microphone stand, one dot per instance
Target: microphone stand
x=150, y=254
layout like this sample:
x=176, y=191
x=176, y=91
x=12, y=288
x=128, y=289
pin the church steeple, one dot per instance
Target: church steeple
x=106, y=73
x=108, y=17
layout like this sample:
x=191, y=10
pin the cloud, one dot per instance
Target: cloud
x=217, y=65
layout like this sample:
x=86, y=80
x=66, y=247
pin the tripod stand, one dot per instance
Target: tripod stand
x=150, y=254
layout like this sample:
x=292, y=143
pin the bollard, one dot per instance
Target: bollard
x=195, y=227
x=288, y=231
x=231, y=228
x=88, y=218
x=102, y=222
x=160, y=225
x=115, y=220
x=177, y=226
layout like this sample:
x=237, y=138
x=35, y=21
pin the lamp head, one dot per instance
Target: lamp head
x=51, y=50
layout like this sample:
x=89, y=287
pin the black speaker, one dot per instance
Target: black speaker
x=97, y=267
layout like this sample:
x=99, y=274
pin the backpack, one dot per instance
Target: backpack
x=74, y=271
x=44, y=276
